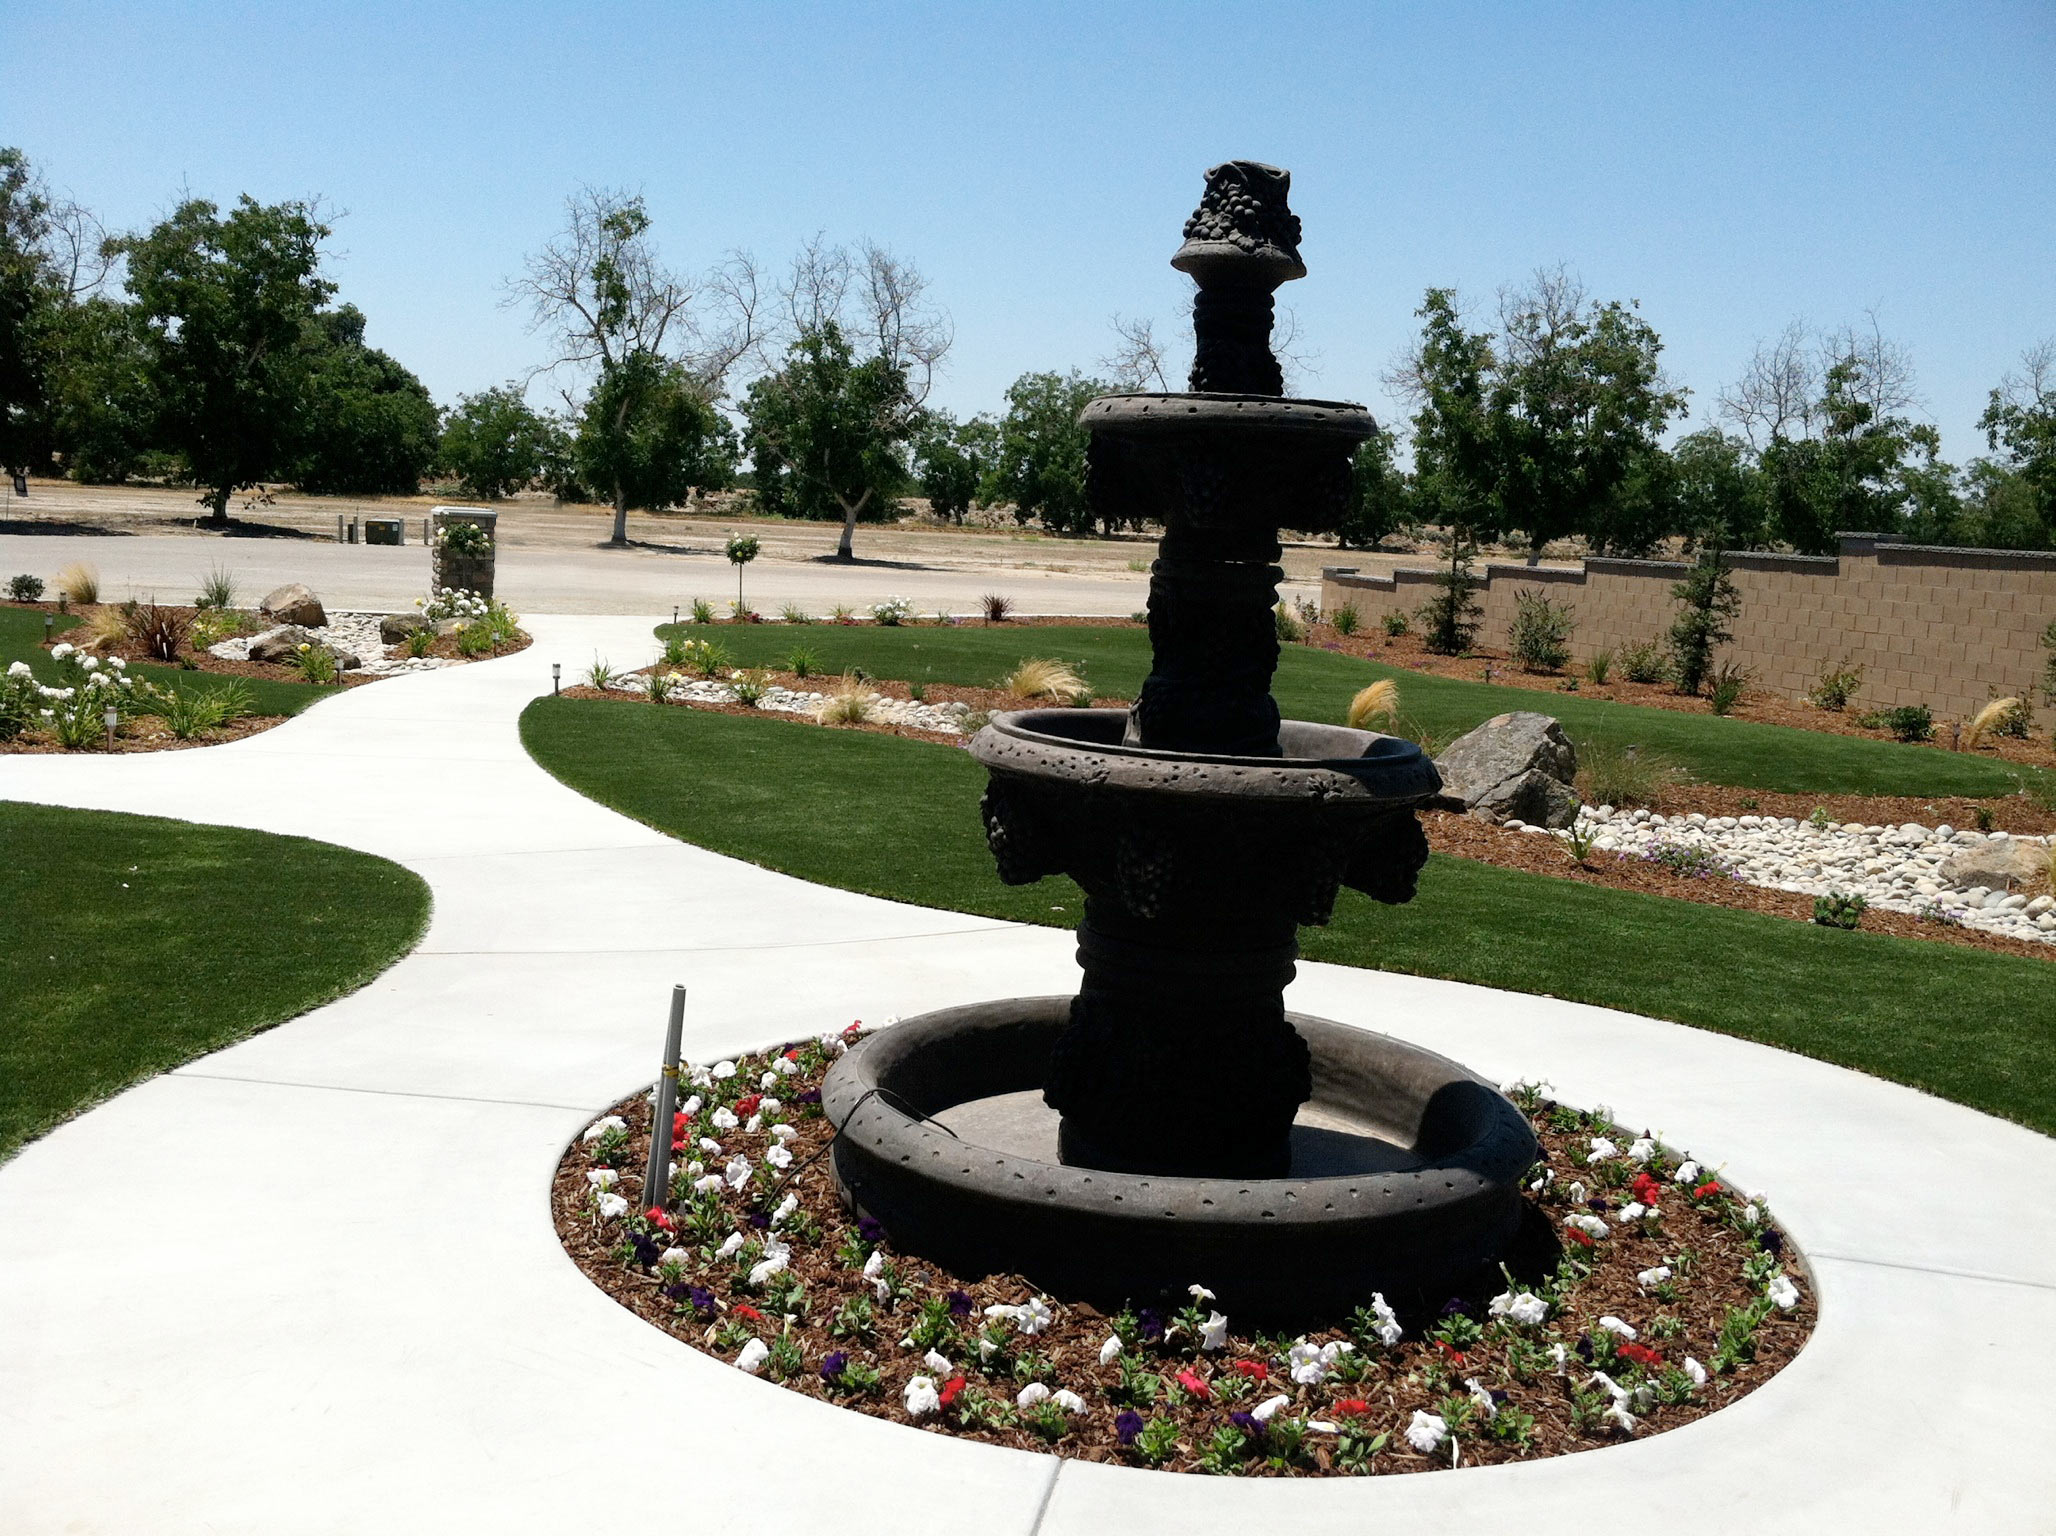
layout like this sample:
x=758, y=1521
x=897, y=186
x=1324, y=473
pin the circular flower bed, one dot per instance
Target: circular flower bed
x=1671, y=1295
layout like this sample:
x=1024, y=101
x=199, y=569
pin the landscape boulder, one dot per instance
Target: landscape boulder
x=1514, y=767
x=1999, y=864
x=281, y=644
x=394, y=628
x=294, y=604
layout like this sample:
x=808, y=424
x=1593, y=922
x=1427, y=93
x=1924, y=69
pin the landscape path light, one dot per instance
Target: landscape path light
x=49, y=628
x=556, y=677
x=113, y=718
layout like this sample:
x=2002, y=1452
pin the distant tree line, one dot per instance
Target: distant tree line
x=210, y=350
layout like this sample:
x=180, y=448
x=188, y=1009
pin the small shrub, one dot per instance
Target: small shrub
x=1376, y=701
x=1726, y=691
x=599, y=674
x=707, y=657
x=850, y=704
x=1983, y=819
x=702, y=611
x=1346, y=620
x=162, y=632
x=218, y=590
x=25, y=588
x=1910, y=722
x=79, y=582
x=1289, y=628
x=893, y=612
x=1614, y=775
x=750, y=687
x=1451, y=616
x=463, y=538
x=656, y=685
x=1395, y=625
x=674, y=649
x=317, y=664
x=1598, y=667
x=918, y=692
x=2000, y=717
x=740, y=612
x=793, y=613
x=997, y=607
x=1836, y=910
x=1540, y=637
x=1038, y=678
x=420, y=642
x=1690, y=860
x=107, y=628
x=454, y=603
x=190, y=712
x=802, y=662
x=1710, y=604
x=1644, y=662
x=842, y=613
x=1837, y=686
x=474, y=639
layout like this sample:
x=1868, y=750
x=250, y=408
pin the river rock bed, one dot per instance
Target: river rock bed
x=353, y=634
x=946, y=718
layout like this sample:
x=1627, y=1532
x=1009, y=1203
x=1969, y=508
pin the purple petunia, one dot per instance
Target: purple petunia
x=810, y=1096
x=869, y=1230
x=1249, y=1424
x=761, y=1220
x=702, y=1298
x=1455, y=1307
x=960, y=1303
x=832, y=1365
x=1127, y=1425
x=1152, y=1322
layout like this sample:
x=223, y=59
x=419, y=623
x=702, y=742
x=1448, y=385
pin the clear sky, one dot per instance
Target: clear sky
x=1730, y=166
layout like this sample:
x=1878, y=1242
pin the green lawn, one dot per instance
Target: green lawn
x=896, y=817
x=21, y=639
x=130, y=944
x=1314, y=684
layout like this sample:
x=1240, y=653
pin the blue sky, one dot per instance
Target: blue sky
x=1730, y=166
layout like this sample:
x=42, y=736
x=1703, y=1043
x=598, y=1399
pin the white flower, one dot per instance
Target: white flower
x=1782, y=1291
x=1613, y=1324
x=875, y=1265
x=1032, y=1316
x=699, y=1077
x=724, y=1119
x=1656, y=1276
x=1602, y=1149
x=60, y=650
x=691, y=1106
x=672, y=1256
x=921, y=1397
x=1310, y=1363
x=1633, y=1212
x=1068, y=1400
x=1109, y=1350
x=1751, y=1214
x=1641, y=1149
x=1199, y=1293
x=1427, y=1431
x=738, y=1171
x=784, y=1067
x=772, y=1107
x=710, y=1146
x=18, y=669
x=1388, y=1321
x=1588, y=1224
x=724, y=1069
x=938, y=1363
x=1264, y=1410
x=1559, y=1357
x=1576, y=1193
x=90, y=663
x=1618, y=1412
x=785, y=1133
x=753, y=1356
x=785, y=1209
x=1035, y=1392
x=1526, y=1308
x=1686, y=1173
x=1696, y=1371
x=601, y=1126
x=707, y=1183
x=768, y=1080
x=731, y=1244
x=765, y=1268
x=1213, y=1333
x=777, y=1156
x=1539, y=1183
x=117, y=663
x=1483, y=1398
x=602, y=1178
x=754, y=1124
x=611, y=1207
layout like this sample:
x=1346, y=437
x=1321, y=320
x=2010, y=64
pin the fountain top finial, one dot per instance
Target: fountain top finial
x=1242, y=232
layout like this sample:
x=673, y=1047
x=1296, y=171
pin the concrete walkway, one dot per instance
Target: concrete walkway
x=309, y=1284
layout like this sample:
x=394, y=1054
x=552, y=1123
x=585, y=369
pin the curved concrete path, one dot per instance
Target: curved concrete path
x=309, y=1284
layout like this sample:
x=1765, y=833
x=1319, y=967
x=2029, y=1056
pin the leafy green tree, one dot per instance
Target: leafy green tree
x=52, y=262
x=1456, y=455
x=2019, y=423
x=1449, y=619
x=1039, y=465
x=102, y=413
x=225, y=304
x=649, y=432
x=494, y=443
x=370, y=426
x=1710, y=603
x=952, y=459
x=825, y=431
x=1716, y=490
x=1381, y=501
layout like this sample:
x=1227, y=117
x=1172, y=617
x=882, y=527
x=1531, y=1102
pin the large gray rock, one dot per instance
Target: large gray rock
x=1999, y=864
x=281, y=644
x=394, y=628
x=294, y=604
x=1514, y=767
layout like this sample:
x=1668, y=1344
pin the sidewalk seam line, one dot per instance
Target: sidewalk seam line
x=1048, y=1492
x=1934, y=1269
x=389, y=1093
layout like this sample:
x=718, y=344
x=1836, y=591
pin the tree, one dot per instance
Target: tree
x=1040, y=462
x=1717, y=491
x=494, y=443
x=1381, y=503
x=1450, y=617
x=52, y=260
x=1445, y=377
x=2019, y=422
x=370, y=427
x=641, y=333
x=952, y=459
x=649, y=432
x=1710, y=605
x=225, y=304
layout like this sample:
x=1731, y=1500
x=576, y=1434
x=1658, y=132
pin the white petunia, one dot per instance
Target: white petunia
x=1033, y=1315
x=724, y=1119
x=730, y=1245
x=1618, y=1412
x=764, y=1269
x=1427, y=1432
x=1686, y=1173
x=672, y=1256
x=738, y=1172
x=784, y=1132
x=1696, y=1371
x=1035, y=1392
x=1265, y=1410
x=1199, y=1294
x=1656, y=1276
x=1576, y=1193
x=777, y=1156
x=1782, y=1291
x=1588, y=1224
x=710, y=1146
x=768, y=1080
x=1559, y=1357
x=938, y=1363
x=785, y=1067
x=602, y=1178
x=1641, y=1149
x=921, y=1397
x=1109, y=1350
x=875, y=1265
x=1752, y=1213
x=601, y=1126
x=1487, y=1405
x=1213, y=1333
x=724, y=1069
x=1388, y=1321
x=773, y=1106
x=785, y=1209
x=1602, y=1149
x=1309, y=1364
x=611, y=1207
x=708, y=1183
x=1068, y=1400
x=691, y=1106
x=753, y=1356
x=1613, y=1324
x=1539, y=1183
x=699, y=1077
x=754, y=1124
x=1526, y=1308
x=1633, y=1212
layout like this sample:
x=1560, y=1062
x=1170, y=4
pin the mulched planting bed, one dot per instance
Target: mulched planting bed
x=1671, y=1296
x=1464, y=838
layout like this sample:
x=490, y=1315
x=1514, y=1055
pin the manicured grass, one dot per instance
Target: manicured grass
x=21, y=639
x=130, y=944
x=898, y=818
x=1314, y=684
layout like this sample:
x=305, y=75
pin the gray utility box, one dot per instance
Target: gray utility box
x=385, y=530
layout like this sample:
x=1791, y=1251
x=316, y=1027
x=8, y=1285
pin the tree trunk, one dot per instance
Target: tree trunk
x=620, y=515
x=846, y=548
x=218, y=518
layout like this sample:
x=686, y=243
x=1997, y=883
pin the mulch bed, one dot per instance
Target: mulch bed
x=843, y=1316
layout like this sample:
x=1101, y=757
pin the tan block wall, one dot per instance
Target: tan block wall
x=1941, y=627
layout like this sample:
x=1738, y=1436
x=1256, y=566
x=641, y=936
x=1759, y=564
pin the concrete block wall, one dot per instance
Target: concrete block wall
x=1942, y=627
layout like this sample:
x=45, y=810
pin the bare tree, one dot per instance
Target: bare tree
x=1138, y=359
x=1778, y=390
x=866, y=291
x=603, y=295
x=1884, y=378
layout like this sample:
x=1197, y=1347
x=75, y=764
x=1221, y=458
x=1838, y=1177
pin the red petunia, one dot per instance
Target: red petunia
x=1452, y=1351
x=1353, y=1407
x=1647, y=1190
x=656, y=1214
x=1194, y=1385
x=679, y=1121
x=745, y=1310
x=1255, y=1370
x=1710, y=1187
x=1582, y=1238
x=748, y=1105
x=950, y=1389
x=854, y=1030
x=1641, y=1354
x=793, y=1054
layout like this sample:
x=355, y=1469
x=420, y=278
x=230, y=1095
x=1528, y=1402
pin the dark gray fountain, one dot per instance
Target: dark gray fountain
x=1172, y=1123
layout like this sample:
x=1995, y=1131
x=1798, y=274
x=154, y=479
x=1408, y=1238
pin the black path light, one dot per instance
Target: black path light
x=556, y=677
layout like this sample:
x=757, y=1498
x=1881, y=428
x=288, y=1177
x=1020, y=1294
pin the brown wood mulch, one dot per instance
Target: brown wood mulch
x=824, y=1307
x=147, y=733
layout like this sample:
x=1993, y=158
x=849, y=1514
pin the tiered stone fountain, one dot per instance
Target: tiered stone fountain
x=1172, y=1123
